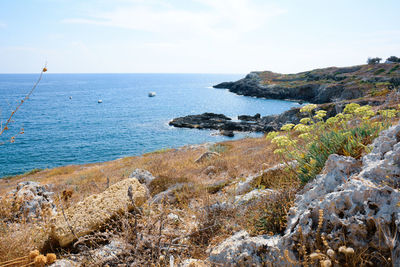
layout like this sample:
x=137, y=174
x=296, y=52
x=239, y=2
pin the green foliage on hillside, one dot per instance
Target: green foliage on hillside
x=312, y=140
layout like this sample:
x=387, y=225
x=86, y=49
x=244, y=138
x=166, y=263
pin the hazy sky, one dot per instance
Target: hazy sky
x=196, y=36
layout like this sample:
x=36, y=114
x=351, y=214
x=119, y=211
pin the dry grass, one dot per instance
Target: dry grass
x=73, y=183
x=240, y=158
x=18, y=239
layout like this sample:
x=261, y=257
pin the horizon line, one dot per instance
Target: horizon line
x=47, y=73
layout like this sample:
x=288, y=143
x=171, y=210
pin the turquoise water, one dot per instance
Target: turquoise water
x=61, y=131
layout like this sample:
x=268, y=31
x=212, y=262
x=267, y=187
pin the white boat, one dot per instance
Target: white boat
x=152, y=94
x=100, y=101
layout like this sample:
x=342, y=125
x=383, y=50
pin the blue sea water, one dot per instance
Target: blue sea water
x=60, y=131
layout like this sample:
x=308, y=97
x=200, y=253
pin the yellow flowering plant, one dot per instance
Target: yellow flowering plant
x=313, y=139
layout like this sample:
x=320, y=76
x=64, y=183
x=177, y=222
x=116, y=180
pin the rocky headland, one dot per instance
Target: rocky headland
x=332, y=88
x=316, y=86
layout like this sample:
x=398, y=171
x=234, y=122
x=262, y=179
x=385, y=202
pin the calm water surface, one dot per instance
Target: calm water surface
x=61, y=131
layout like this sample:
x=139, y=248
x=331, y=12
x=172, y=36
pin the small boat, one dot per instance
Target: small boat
x=152, y=94
x=70, y=97
x=100, y=101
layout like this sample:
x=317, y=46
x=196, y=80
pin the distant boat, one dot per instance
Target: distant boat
x=100, y=101
x=152, y=94
x=70, y=97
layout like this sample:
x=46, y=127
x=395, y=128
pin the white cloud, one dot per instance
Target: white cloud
x=214, y=19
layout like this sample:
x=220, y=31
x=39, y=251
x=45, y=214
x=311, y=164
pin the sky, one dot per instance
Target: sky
x=194, y=36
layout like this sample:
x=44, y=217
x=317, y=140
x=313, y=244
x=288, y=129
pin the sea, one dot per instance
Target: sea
x=63, y=122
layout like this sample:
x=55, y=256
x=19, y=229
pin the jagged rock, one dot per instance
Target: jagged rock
x=249, y=118
x=206, y=155
x=359, y=204
x=263, y=124
x=215, y=122
x=88, y=215
x=32, y=200
x=245, y=186
x=167, y=195
x=193, y=263
x=64, y=263
x=108, y=252
x=227, y=133
x=242, y=250
x=246, y=200
x=253, y=195
x=361, y=201
x=143, y=176
x=173, y=217
x=205, y=120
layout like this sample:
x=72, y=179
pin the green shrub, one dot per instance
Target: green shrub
x=379, y=71
x=394, y=68
x=312, y=140
x=272, y=218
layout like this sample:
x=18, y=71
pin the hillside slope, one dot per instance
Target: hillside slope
x=319, y=85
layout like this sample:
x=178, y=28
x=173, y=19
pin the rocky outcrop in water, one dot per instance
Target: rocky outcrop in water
x=257, y=123
x=216, y=122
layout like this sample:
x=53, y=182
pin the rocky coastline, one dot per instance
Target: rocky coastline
x=258, y=123
x=330, y=88
x=234, y=203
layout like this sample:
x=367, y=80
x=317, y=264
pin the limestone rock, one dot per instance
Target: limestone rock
x=173, y=217
x=206, y=155
x=359, y=200
x=167, y=195
x=246, y=200
x=243, y=250
x=359, y=203
x=143, y=176
x=89, y=214
x=248, y=184
x=32, y=200
x=109, y=251
x=253, y=195
x=64, y=263
x=193, y=263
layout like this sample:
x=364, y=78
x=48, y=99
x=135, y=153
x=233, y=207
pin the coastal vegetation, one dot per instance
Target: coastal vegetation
x=314, y=139
x=199, y=197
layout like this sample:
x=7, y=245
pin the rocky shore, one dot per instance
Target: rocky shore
x=256, y=123
x=331, y=88
x=234, y=203
x=316, y=86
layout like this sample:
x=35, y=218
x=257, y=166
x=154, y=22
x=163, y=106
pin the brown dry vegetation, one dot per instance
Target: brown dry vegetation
x=198, y=227
x=73, y=183
x=238, y=159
